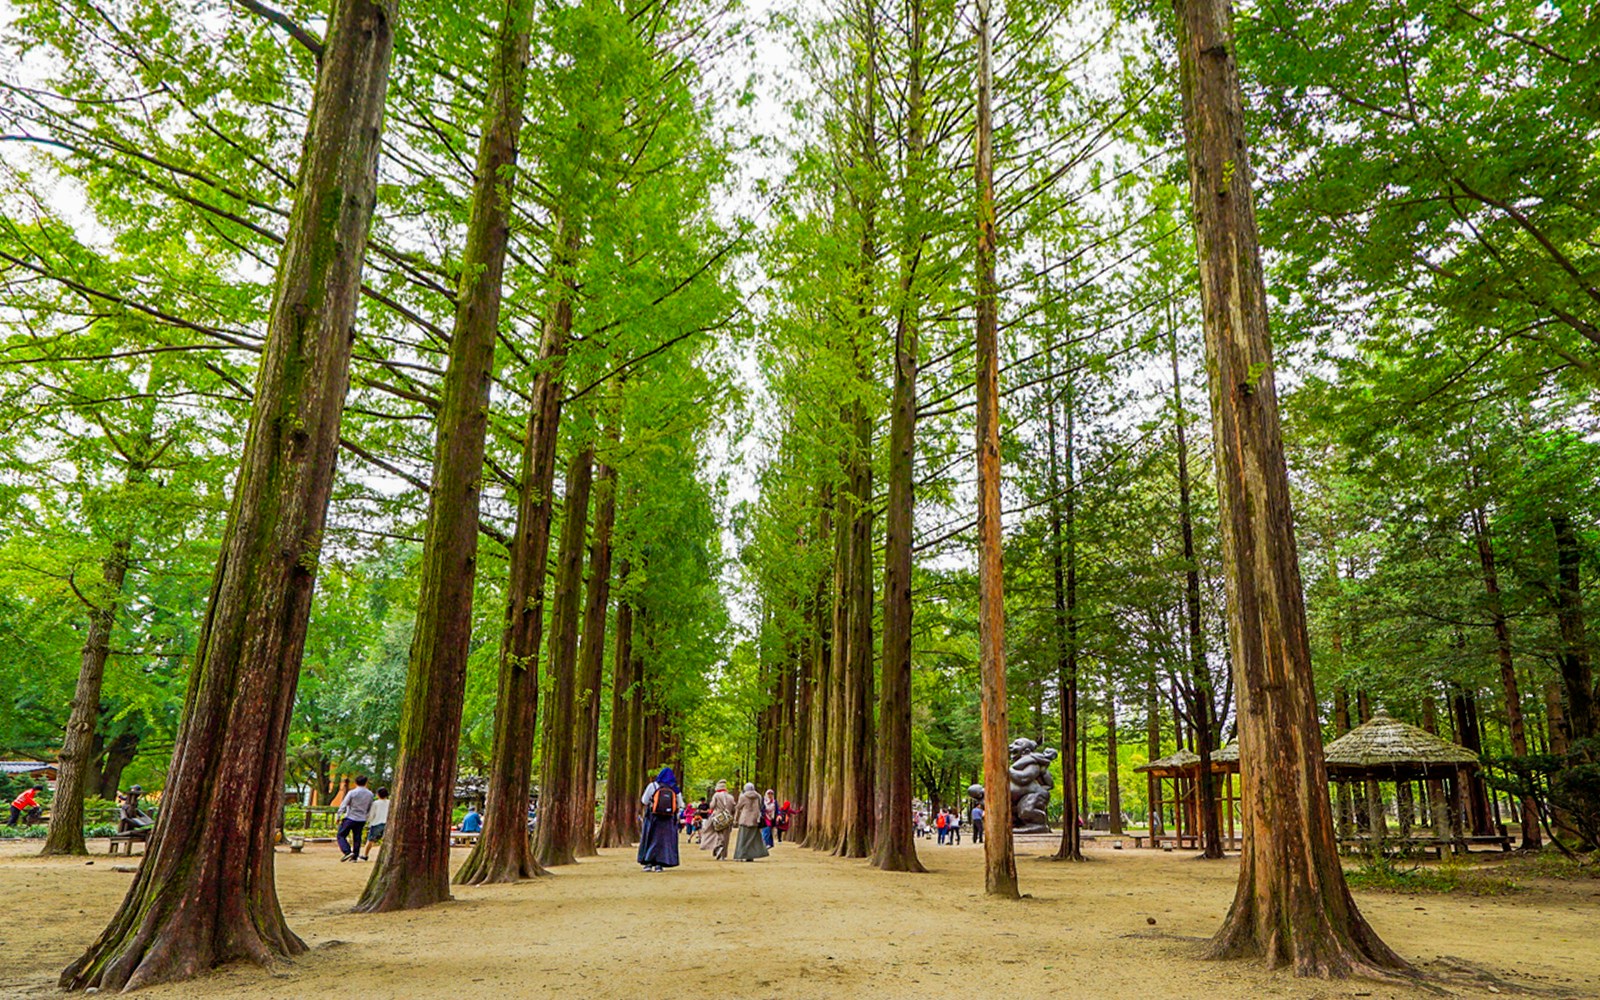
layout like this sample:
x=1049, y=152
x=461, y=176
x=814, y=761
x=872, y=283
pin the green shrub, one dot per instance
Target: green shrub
x=1453, y=874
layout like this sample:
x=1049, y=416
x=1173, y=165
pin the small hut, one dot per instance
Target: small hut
x=1174, y=782
x=1386, y=750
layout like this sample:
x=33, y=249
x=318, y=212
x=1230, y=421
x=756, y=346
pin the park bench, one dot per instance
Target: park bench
x=1424, y=845
x=122, y=843
x=459, y=839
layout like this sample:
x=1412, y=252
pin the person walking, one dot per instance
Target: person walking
x=658, y=847
x=354, y=809
x=977, y=824
x=714, y=835
x=377, y=819
x=769, y=817
x=747, y=815
x=955, y=826
x=26, y=807
x=940, y=824
x=782, y=821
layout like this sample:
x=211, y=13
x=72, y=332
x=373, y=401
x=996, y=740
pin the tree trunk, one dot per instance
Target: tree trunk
x=857, y=805
x=1152, y=736
x=1198, y=684
x=896, y=848
x=1529, y=812
x=1000, y=863
x=1577, y=676
x=554, y=839
x=78, y=748
x=1293, y=907
x=413, y=868
x=591, y=659
x=123, y=748
x=204, y=894
x=1064, y=582
x=1341, y=725
x=618, y=827
x=503, y=852
x=1113, y=778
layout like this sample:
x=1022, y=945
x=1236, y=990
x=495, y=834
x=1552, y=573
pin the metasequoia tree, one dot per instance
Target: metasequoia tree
x=1000, y=863
x=591, y=660
x=205, y=894
x=623, y=767
x=895, y=849
x=413, y=866
x=1292, y=907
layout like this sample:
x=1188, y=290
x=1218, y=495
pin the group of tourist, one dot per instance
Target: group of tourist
x=361, y=811
x=753, y=822
x=946, y=824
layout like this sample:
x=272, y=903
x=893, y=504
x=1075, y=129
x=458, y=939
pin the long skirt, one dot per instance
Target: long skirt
x=715, y=841
x=659, y=845
x=749, y=846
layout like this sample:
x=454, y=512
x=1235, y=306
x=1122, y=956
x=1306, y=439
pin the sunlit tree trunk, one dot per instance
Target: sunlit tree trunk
x=205, y=893
x=1000, y=864
x=1293, y=907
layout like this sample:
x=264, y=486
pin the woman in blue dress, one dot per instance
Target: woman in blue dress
x=658, y=841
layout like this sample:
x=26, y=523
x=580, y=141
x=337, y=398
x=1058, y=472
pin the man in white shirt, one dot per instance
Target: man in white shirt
x=354, y=809
x=377, y=819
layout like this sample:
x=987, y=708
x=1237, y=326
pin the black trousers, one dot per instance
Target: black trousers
x=354, y=827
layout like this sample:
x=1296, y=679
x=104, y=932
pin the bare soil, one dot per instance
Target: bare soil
x=1127, y=923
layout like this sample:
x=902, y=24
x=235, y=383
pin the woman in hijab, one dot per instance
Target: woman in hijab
x=747, y=817
x=658, y=846
x=714, y=835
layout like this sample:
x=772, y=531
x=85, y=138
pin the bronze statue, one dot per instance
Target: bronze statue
x=1030, y=786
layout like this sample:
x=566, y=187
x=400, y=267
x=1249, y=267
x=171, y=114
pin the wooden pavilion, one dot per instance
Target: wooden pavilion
x=1174, y=790
x=1384, y=750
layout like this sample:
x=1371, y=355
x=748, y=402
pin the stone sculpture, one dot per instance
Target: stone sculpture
x=1030, y=786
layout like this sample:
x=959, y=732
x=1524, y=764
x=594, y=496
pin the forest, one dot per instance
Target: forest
x=519, y=397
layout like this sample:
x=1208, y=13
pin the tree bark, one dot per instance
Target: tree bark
x=1113, y=778
x=119, y=754
x=413, y=868
x=618, y=827
x=504, y=852
x=858, y=805
x=204, y=894
x=591, y=659
x=559, y=796
x=1293, y=907
x=1000, y=863
x=896, y=848
x=73, y=774
x=1152, y=736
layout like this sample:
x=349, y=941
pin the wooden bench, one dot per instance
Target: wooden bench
x=1434, y=846
x=122, y=843
x=459, y=839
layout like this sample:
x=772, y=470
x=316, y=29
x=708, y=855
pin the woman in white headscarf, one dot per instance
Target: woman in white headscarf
x=747, y=817
x=714, y=835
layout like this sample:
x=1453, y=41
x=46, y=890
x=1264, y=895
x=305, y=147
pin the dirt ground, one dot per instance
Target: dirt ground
x=803, y=925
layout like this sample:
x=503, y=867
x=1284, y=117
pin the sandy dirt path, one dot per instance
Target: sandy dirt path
x=803, y=925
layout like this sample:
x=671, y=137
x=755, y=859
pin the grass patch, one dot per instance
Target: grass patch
x=1453, y=874
x=1551, y=864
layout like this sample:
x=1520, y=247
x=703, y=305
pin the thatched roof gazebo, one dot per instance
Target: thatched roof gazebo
x=1384, y=749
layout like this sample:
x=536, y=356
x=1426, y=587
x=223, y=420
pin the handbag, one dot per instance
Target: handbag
x=721, y=821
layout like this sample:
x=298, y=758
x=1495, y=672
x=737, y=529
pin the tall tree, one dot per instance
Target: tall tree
x=1000, y=864
x=413, y=866
x=205, y=893
x=1292, y=907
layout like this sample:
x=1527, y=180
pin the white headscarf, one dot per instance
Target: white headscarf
x=749, y=786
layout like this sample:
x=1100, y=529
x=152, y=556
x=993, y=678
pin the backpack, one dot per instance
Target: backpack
x=660, y=809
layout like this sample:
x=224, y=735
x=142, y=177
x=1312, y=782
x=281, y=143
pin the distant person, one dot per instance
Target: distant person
x=769, y=817
x=26, y=807
x=377, y=819
x=747, y=817
x=130, y=817
x=955, y=826
x=357, y=803
x=977, y=824
x=658, y=847
x=781, y=822
x=941, y=823
x=714, y=835
x=472, y=822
